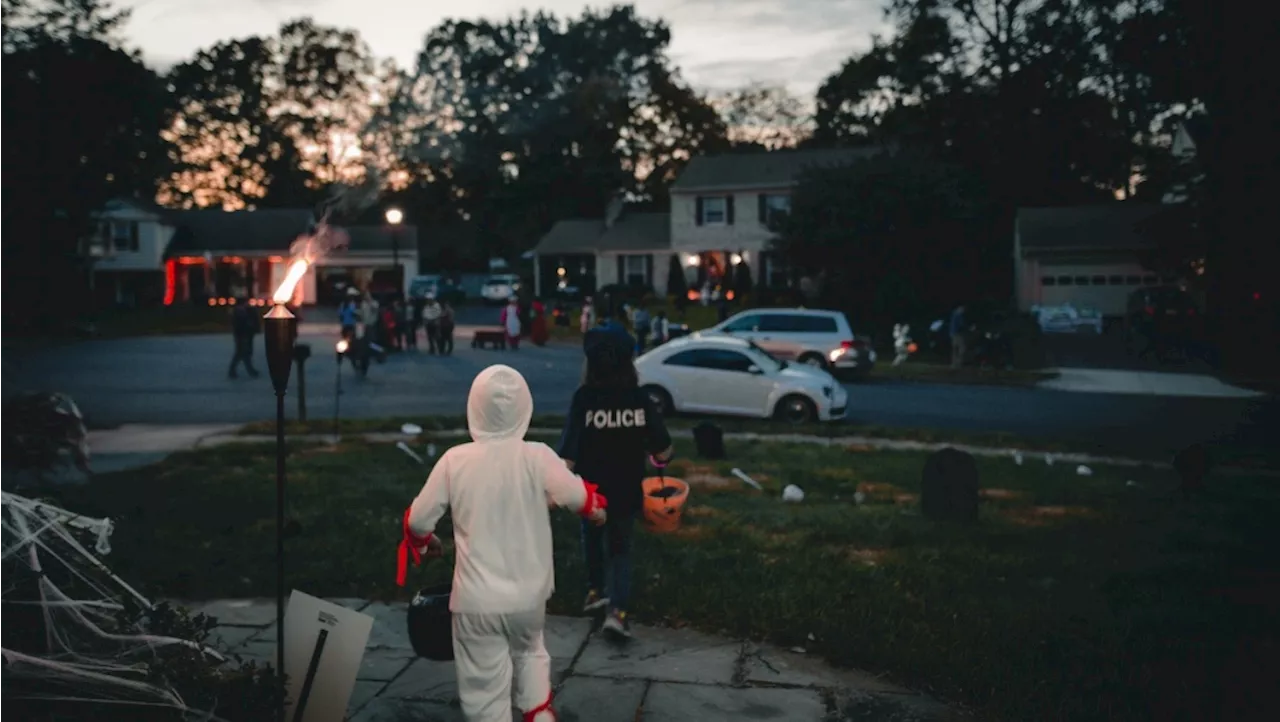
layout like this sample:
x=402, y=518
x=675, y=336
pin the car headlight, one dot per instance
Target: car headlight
x=828, y=391
x=836, y=354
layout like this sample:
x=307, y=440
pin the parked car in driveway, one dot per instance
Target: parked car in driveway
x=822, y=339
x=720, y=374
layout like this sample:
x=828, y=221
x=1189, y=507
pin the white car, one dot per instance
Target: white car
x=822, y=339
x=717, y=374
x=500, y=288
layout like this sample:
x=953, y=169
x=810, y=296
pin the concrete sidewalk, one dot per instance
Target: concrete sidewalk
x=1147, y=383
x=663, y=675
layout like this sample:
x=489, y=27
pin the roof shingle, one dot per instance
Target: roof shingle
x=1111, y=226
x=633, y=233
x=773, y=169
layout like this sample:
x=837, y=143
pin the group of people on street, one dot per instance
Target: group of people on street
x=497, y=489
x=396, y=326
x=511, y=320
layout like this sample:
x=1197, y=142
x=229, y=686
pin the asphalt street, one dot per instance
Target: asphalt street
x=183, y=380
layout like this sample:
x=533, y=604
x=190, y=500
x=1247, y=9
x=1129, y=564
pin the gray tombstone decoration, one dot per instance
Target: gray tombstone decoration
x=949, y=487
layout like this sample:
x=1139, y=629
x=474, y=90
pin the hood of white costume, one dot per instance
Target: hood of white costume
x=500, y=405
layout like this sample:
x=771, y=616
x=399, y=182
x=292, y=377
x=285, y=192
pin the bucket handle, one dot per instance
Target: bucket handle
x=661, y=466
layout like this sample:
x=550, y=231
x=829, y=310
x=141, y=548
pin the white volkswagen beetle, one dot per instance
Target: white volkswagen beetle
x=713, y=374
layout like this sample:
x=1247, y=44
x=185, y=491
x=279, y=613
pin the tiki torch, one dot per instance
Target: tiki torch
x=280, y=331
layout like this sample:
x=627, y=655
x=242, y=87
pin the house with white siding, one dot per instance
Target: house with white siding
x=724, y=209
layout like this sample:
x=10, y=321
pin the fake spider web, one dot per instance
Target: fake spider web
x=68, y=606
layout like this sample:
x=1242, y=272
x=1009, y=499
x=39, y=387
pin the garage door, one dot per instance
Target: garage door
x=1103, y=288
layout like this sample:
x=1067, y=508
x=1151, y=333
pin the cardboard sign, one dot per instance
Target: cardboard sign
x=323, y=648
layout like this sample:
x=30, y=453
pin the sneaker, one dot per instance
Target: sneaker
x=617, y=625
x=594, y=601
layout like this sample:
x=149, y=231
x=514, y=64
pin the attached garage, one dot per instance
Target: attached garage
x=1088, y=256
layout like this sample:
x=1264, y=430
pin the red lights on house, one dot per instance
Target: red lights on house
x=170, y=281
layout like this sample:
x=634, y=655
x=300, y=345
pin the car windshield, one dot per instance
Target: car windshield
x=769, y=362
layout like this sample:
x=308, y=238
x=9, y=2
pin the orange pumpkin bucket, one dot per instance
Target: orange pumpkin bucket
x=664, y=499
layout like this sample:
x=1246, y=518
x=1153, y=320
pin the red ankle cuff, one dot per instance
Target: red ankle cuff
x=544, y=707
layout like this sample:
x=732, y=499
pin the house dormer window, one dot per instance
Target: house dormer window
x=714, y=210
x=120, y=236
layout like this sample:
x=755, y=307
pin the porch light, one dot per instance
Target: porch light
x=735, y=259
x=692, y=260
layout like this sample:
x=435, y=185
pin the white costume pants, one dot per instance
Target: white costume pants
x=493, y=651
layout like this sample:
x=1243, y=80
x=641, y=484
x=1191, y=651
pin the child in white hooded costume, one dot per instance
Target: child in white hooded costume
x=498, y=488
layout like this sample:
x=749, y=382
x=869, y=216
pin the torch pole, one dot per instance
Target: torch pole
x=280, y=683
x=337, y=398
x=280, y=331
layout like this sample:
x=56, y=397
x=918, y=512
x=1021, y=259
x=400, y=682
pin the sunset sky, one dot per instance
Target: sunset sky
x=718, y=44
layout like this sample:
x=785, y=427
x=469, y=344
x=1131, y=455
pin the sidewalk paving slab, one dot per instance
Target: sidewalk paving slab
x=667, y=655
x=685, y=702
x=766, y=664
x=587, y=699
x=662, y=675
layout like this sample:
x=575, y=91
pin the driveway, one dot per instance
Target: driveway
x=182, y=380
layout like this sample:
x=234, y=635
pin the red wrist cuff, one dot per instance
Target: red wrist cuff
x=595, y=500
x=409, y=545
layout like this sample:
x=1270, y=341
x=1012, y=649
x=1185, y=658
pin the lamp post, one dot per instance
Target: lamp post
x=394, y=219
x=341, y=348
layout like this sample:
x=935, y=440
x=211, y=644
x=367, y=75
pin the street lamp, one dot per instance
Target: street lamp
x=394, y=218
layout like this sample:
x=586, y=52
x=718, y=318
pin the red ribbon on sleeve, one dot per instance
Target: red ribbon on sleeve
x=595, y=500
x=409, y=546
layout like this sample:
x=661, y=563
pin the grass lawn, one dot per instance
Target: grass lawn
x=1075, y=597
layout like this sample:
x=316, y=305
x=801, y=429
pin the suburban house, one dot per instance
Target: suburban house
x=145, y=254
x=1089, y=256
x=722, y=211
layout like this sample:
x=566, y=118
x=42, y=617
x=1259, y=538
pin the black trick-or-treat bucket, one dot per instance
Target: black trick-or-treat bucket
x=431, y=624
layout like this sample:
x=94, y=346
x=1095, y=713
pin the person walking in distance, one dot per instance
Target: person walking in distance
x=612, y=426
x=958, y=337
x=431, y=317
x=640, y=322
x=244, y=326
x=445, y=338
x=510, y=321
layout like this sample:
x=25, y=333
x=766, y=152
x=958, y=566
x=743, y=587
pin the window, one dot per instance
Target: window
x=1116, y=280
x=1048, y=281
x=1064, y=280
x=715, y=210
x=1082, y=280
x=124, y=235
x=635, y=270
x=773, y=208
x=724, y=360
x=745, y=323
x=712, y=360
x=1099, y=280
x=797, y=323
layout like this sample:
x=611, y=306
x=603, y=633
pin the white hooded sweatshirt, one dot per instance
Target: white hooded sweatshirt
x=498, y=487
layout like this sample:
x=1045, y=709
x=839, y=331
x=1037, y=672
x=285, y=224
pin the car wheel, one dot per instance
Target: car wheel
x=661, y=399
x=795, y=409
x=815, y=360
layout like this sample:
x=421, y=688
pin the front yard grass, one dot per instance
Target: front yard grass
x=1075, y=597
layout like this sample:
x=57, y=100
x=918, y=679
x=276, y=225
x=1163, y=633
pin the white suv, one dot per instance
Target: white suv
x=500, y=287
x=819, y=338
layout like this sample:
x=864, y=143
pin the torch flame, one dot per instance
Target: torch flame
x=297, y=270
